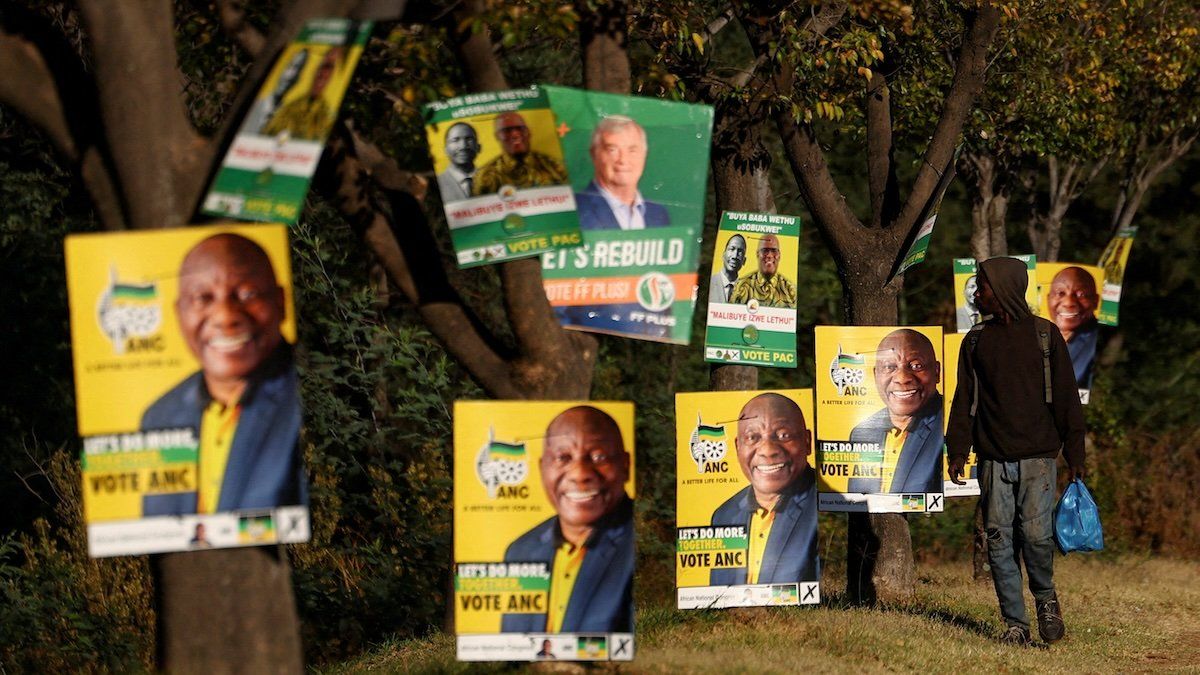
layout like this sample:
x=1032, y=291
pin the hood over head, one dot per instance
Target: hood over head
x=1008, y=278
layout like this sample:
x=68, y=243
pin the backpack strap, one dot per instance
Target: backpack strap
x=1044, y=339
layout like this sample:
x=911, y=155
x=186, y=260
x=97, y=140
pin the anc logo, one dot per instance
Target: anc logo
x=499, y=463
x=655, y=291
x=846, y=372
x=127, y=311
x=708, y=444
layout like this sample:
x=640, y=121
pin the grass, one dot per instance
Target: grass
x=1127, y=615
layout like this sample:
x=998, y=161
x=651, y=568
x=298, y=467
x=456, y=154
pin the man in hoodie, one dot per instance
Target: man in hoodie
x=1017, y=406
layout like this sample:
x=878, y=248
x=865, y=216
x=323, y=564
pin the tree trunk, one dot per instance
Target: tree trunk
x=227, y=611
x=989, y=205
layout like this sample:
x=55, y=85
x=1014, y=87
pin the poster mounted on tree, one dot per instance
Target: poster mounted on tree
x=752, y=291
x=1069, y=296
x=500, y=172
x=746, y=500
x=880, y=418
x=543, y=530
x=965, y=312
x=268, y=167
x=186, y=393
x=952, y=345
x=639, y=168
x=1113, y=262
x=916, y=245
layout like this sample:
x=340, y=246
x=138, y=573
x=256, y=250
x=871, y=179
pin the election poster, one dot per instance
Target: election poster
x=501, y=175
x=965, y=283
x=752, y=291
x=639, y=169
x=952, y=345
x=916, y=246
x=1070, y=297
x=543, y=530
x=268, y=167
x=880, y=418
x=1113, y=262
x=746, y=500
x=186, y=392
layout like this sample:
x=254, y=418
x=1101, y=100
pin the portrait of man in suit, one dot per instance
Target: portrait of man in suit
x=1072, y=303
x=588, y=545
x=243, y=403
x=720, y=287
x=779, y=507
x=909, y=428
x=462, y=147
x=612, y=200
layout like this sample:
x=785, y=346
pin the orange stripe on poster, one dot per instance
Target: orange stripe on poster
x=609, y=290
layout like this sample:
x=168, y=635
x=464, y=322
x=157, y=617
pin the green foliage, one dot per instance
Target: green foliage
x=377, y=398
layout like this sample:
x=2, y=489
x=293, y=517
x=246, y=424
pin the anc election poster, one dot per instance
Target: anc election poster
x=186, y=394
x=1070, y=298
x=500, y=172
x=952, y=345
x=1113, y=262
x=639, y=168
x=746, y=500
x=965, y=282
x=543, y=530
x=880, y=419
x=267, y=169
x=752, y=291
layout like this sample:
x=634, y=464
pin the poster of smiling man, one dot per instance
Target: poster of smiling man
x=543, y=530
x=752, y=291
x=639, y=168
x=880, y=418
x=500, y=172
x=186, y=393
x=1070, y=297
x=746, y=496
x=266, y=171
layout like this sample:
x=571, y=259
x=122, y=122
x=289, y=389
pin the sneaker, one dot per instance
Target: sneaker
x=1050, y=622
x=1016, y=635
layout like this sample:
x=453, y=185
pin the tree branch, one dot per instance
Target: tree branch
x=968, y=81
x=881, y=172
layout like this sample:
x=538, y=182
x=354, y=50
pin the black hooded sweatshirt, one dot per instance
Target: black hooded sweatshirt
x=1012, y=420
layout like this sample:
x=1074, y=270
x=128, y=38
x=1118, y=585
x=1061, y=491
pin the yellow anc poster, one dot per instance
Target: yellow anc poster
x=186, y=394
x=952, y=346
x=880, y=420
x=543, y=530
x=1070, y=297
x=741, y=455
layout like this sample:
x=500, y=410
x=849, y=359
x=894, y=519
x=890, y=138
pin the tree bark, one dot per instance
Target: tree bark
x=989, y=204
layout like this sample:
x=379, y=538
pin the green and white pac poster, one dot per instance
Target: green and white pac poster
x=267, y=170
x=500, y=172
x=639, y=169
x=752, y=291
x=1113, y=262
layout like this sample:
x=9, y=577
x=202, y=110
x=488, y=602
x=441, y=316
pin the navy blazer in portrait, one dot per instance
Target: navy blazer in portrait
x=919, y=468
x=264, y=468
x=596, y=214
x=602, y=598
x=791, y=553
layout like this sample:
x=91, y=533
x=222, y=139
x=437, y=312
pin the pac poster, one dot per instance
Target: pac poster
x=267, y=169
x=639, y=168
x=543, y=530
x=1070, y=297
x=500, y=171
x=1113, y=262
x=880, y=418
x=952, y=344
x=965, y=312
x=746, y=500
x=752, y=291
x=186, y=393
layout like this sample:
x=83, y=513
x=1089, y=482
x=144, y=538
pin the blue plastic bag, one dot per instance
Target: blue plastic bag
x=1077, y=520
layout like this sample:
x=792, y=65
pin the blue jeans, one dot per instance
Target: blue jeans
x=1018, y=513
